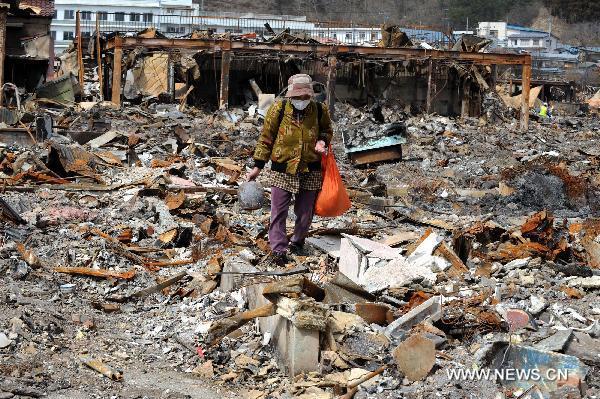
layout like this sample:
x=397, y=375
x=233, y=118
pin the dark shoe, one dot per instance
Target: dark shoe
x=277, y=259
x=298, y=249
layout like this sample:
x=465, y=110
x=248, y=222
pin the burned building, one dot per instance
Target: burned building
x=27, y=43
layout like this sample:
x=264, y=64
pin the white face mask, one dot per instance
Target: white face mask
x=300, y=104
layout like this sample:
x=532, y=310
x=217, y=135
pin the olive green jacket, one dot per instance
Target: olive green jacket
x=291, y=146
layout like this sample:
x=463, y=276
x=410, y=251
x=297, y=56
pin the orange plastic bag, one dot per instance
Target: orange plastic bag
x=333, y=199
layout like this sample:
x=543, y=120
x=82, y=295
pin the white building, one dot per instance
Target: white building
x=518, y=37
x=123, y=15
x=492, y=30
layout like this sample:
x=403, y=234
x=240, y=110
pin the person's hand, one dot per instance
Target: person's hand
x=253, y=174
x=320, y=147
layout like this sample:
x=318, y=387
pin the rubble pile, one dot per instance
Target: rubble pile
x=129, y=265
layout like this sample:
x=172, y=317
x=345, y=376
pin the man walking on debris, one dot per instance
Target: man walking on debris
x=296, y=132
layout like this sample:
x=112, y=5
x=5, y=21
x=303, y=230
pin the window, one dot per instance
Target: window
x=148, y=17
x=134, y=17
x=55, y=14
x=69, y=14
x=87, y=15
x=373, y=35
x=103, y=16
x=53, y=34
x=536, y=42
x=321, y=34
x=515, y=42
x=493, y=33
x=120, y=16
x=68, y=35
x=348, y=35
x=86, y=34
x=181, y=29
x=363, y=35
x=170, y=11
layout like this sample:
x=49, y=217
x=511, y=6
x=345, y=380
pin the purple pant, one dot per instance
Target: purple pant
x=304, y=206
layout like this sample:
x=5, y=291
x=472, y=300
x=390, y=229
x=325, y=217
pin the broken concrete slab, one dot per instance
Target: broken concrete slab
x=415, y=357
x=556, y=342
x=423, y=256
x=329, y=244
x=351, y=263
x=343, y=290
x=430, y=309
x=4, y=341
x=585, y=348
x=538, y=304
x=377, y=266
x=585, y=282
x=395, y=274
x=516, y=264
x=340, y=322
x=304, y=313
x=373, y=248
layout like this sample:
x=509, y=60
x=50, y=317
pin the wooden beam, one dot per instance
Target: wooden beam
x=79, y=48
x=464, y=104
x=331, y=79
x=3, y=12
x=525, y=97
x=429, y=85
x=99, y=57
x=224, y=91
x=322, y=50
x=116, y=77
x=376, y=155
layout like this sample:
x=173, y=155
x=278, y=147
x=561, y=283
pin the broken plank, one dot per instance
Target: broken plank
x=378, y=155
x=159, y=287
x=221, y=328
x=7, y=212
x=103, y=273
x=180, y=262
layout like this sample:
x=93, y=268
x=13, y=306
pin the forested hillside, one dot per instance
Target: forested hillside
x=579, y=19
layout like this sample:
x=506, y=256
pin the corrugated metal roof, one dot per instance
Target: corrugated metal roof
x=524, y=29
x=528, y=35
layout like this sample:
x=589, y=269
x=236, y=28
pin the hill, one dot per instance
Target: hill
x=574, y=21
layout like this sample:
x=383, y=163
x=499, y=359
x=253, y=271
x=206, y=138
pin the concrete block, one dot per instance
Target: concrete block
x=556, y=342
x=430, y=309
x=297, y=349
x=415, y=357
x=233, y=282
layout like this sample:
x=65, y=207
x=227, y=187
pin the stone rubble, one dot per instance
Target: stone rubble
x=486, y=240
